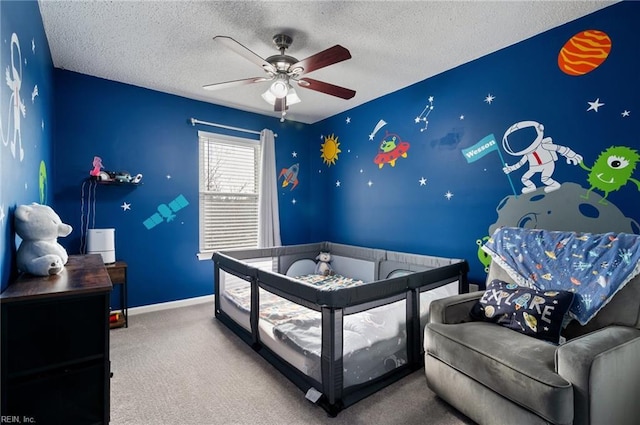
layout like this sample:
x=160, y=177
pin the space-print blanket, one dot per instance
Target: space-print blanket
x=330, y=283
x=278, y=310
x=273, y=308
x=593, y=266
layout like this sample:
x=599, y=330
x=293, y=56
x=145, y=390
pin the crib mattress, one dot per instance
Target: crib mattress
x=374, y=341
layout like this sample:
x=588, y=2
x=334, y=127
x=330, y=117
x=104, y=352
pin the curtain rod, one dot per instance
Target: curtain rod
x=195, y=121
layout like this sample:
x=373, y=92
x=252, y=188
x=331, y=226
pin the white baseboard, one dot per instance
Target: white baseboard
x=171, y=304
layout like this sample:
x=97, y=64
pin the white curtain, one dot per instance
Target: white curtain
x=269, y=225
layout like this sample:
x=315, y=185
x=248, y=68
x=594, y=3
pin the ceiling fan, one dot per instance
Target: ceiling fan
x=283, y=69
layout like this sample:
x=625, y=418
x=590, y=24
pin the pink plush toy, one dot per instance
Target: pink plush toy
x=97, y=166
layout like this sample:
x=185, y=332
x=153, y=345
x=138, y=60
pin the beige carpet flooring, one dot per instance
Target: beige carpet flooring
x=182, y=366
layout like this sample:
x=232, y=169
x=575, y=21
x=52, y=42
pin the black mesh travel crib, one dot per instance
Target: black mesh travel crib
x=339, y=337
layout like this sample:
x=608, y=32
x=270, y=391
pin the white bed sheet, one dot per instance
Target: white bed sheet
x=362, y=359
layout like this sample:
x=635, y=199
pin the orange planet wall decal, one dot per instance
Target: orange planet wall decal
x=584, y=52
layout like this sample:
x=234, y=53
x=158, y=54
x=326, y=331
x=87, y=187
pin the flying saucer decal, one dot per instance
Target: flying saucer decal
x=391, y=148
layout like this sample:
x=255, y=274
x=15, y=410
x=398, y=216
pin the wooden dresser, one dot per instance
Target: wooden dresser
x=55, y=345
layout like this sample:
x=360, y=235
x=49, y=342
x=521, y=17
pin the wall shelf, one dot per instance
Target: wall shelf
x=113, y=182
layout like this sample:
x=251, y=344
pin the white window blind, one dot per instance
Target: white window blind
x=229, y=185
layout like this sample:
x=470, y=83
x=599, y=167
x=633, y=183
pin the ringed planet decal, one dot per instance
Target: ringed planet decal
x=584, y=52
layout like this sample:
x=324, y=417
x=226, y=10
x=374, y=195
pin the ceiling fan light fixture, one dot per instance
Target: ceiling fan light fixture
x=269, y=97
x=292, y=96
x=280, y=87
x=281, y=69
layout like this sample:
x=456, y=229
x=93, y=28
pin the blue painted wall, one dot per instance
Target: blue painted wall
x=345, y=196
x=143, y=131
x=437, y=202
x=26, y=95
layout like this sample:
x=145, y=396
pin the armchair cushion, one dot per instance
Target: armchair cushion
x=518, y=367
x=539, y=314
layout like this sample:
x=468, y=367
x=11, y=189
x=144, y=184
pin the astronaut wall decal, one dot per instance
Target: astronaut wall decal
x=16, y=105
x=541, y=154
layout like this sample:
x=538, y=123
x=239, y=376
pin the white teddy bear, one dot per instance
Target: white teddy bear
x=322, y=266
x=39, y=227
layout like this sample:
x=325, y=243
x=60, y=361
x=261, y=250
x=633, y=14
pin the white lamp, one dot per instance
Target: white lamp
x=292, y=96
x=280, y=87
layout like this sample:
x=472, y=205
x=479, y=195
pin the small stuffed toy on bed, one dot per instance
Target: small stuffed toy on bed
x=39, y=227
x=323, y=265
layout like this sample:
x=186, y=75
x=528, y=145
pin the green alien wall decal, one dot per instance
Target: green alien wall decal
x=612, y=170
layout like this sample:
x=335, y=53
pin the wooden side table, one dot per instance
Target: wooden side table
x=118, y=274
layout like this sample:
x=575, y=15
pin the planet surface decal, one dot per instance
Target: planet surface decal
x=584, y=52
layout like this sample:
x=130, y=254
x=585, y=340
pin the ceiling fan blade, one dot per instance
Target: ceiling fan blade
x=322, y=87
x=321, y=59
x=235, y=83
x=245, y=52
x=280, y=104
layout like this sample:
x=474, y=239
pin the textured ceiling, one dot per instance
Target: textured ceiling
x=168, y=45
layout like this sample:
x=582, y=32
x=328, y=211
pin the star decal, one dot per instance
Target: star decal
x=461, y=117
x=337, y=183
x=626, y=113
x=168, y=176
x=33, y=45
x=422, y=181
x=125, y=206
x=424, y=115
x=348, y=120
x=294, y=154
x=489, y=98
x=370, y=183
x=448, y=195
x=293, y=201
x=593, y=106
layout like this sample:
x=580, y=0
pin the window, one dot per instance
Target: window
x=229, y=186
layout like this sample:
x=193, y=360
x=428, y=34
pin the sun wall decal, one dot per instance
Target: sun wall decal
x=330, y=150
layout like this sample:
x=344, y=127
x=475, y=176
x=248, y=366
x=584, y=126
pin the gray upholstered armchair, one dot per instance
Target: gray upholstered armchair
x=495, y=375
